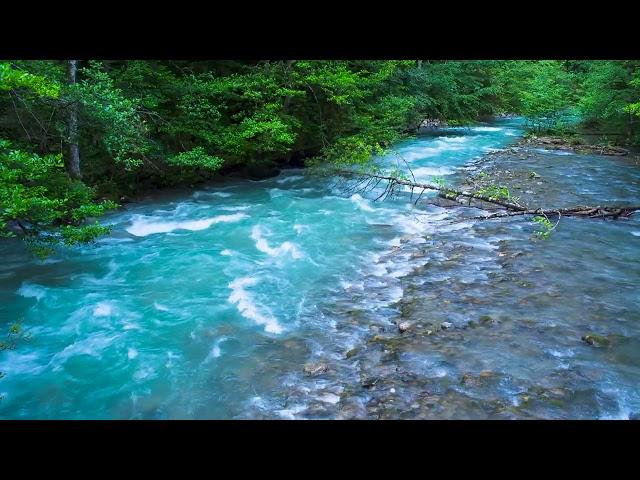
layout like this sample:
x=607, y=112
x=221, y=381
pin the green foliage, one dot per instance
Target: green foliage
x=546, y=227
x=14, y=78
x=611, y=98
x=495, y=192
x=196, y=157
x=15, y=334
x=438, y=181
x=607, y=91
x=42, y=204
x=124, y=129
x=456, y=91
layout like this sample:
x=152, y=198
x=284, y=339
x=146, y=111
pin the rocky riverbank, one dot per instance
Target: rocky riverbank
x=483, y=289
x=573, y=144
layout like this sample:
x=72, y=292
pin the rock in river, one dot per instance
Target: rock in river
x=596, y=340
x=404, y=326
x=315, y=369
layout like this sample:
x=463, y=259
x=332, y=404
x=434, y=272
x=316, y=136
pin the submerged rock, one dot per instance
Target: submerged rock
x=315, y=369
x=446, y=325
x=596, y=340
x=487, y=320
x=368, y=382
x=351, y=353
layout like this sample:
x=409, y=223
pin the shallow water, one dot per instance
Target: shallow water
x=208, y=304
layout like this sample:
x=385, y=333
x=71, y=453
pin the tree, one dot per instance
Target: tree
x=72, y=162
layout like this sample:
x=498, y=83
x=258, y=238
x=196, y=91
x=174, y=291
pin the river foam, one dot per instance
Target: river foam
x=31, y=290
x=362, y=203
x=247, y=306
x=284, y=249
x=143, y=226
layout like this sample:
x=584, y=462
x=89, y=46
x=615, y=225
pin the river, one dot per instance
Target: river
x=209, y=303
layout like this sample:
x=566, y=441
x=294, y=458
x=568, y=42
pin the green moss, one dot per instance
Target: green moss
x=596, y=340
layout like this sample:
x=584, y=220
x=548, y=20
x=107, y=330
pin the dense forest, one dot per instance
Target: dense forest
x=77, y=138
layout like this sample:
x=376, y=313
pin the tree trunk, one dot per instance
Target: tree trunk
x=72, y=163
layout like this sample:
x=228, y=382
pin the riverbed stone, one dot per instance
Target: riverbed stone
x=486, y=320
x=596, y=340
x=315, y=369
x=351, y=353
x=404, y=326
x=369, y=381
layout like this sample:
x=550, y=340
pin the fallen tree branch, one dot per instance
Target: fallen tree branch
x=513, y=209
x=586, y=212
x=448, y=192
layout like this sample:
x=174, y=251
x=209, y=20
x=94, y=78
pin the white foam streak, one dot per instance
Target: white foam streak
x=142, y=227
x=102, y=309
x=283, y=249
x=160, y=307
x=423, y=172
x=486, y=129
x=31, y=290
x=291, y=178
x=362, y=203
x=247, y=307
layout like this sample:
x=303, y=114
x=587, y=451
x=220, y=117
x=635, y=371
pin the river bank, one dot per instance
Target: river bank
x=574, y=144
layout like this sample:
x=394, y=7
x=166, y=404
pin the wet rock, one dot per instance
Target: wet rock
x=404, y=326
x=351, y=353
x=315, y=369
x=446, y=325
x=596, y=340
x=368, y=382
x=486, y=320
x=419, y=254
x=469, y=380
x=331, y=398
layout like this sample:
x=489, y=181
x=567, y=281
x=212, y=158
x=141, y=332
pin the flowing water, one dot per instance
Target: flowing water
x=208, y=304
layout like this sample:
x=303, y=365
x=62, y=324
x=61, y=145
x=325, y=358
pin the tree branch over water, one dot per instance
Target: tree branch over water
x=512, y=208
